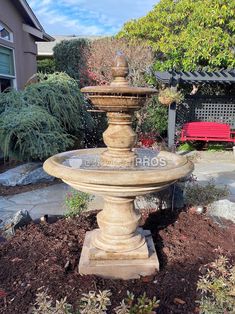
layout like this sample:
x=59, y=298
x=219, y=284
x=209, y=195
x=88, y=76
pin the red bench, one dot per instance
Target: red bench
x=207, y=131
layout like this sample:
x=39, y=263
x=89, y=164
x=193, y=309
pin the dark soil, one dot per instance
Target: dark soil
x=36, y=257
x=11, y=190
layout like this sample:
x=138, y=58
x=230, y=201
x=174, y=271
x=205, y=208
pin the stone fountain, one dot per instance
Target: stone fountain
x=119, y=172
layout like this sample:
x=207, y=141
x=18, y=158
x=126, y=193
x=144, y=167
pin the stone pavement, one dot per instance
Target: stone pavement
x=221, y=169
x=222, y=172
x=50, y=200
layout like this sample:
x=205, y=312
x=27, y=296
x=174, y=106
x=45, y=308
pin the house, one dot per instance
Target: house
x=45, y=49
x=19, y=30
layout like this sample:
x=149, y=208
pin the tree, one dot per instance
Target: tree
x=46, y=66
x=70, y=57
x=188, y=34
x=101, y=55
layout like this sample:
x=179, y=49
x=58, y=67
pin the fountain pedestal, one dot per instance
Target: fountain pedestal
x=118, y=236
x=119, y=139
x=118, y=249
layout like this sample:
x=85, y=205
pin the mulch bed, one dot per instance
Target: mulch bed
x=36, y=257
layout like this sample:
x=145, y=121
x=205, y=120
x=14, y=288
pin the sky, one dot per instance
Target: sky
x=88, y=17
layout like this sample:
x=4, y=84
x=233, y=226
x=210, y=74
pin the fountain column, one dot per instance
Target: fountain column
x=120, y=140
x=118, y=236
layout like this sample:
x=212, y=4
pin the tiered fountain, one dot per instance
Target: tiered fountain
x=119, y=172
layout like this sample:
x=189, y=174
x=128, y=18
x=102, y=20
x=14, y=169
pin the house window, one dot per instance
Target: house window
x=7, y=69
x=5, y=33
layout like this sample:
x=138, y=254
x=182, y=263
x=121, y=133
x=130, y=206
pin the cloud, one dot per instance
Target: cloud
x=83, y=17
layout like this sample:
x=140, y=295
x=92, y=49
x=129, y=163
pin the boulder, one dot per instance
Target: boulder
x=20, y=219
x=28, y=173
x=222, y=209
x=36, y=176
x=171, y=196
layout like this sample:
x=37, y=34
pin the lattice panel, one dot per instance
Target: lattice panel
x=211, y=109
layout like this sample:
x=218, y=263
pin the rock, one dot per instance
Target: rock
x=20, y=219
x=179, y=301
x=222, y=209
x=25, y=174
x=36, y=176
x=173, y=195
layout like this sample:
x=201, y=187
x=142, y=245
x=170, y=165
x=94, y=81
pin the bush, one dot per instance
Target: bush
x=217, y=288
x=186, y=147
x=95, y=303
x=60, y=95
x=30, y=132
x=45, y=118
x=76, y=202
x=71, y=57
x=46, y=66
x=202, y=195
x=154, y=117
x=102, y=53
x=213, y=147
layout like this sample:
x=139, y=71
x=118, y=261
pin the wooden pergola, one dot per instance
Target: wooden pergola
x=176, y=78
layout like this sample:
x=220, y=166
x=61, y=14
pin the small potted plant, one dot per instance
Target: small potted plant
x=169, y=95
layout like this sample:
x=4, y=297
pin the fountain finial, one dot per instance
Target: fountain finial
x=120, y=70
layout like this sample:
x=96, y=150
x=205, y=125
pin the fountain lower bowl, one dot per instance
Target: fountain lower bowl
x=81, y=170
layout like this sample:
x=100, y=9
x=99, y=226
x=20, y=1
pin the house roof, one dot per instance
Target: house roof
x=45, y=49
x=175, y=77
x=33, y=24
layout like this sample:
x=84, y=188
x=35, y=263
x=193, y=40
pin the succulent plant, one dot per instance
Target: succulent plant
x=169, y=95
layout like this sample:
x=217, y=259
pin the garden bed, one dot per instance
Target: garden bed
x=36, y=257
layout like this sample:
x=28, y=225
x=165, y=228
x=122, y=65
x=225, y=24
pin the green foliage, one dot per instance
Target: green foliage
x=141, y=305
x=60, y=95
x=156, y=117
x=31, y=132
x=197, y=194
x=11, y=99
x=188, y=34
x=44, y=305
x=71, y=57
x=94, y=303
x=217, y=288
x=186, y=147
x=44, y=119
x=215, y=147
x=46, y=66
x=76, y=203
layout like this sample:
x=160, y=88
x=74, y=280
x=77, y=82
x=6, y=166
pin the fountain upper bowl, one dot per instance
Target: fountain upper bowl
x=118, y=98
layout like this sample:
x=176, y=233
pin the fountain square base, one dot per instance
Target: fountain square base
x=118, y=268
x=97, y=254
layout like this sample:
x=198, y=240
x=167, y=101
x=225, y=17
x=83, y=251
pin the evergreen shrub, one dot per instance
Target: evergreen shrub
x=44, y=119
